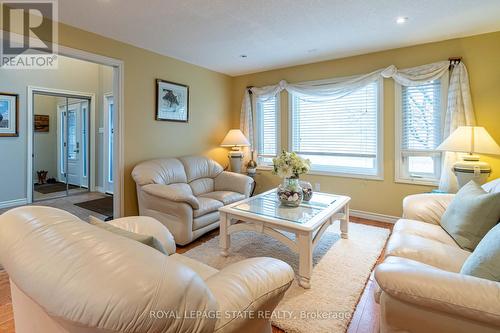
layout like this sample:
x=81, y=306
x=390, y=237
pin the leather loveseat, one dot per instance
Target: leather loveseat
x=186, y=193
x=420, y=288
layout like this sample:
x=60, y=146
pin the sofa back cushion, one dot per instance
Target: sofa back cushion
x=484, y=262
x=202, y=186
x=200, y=167
x=470, y=215
x=161, y=171
x=493, y=186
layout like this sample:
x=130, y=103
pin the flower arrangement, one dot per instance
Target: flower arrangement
x=290, y=165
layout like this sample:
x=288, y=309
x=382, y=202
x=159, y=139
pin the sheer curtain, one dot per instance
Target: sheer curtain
x=459, y=110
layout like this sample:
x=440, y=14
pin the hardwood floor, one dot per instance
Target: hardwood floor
x=365, y=318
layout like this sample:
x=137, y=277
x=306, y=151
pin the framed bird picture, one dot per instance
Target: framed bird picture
x=172, y=101
x=9, y=113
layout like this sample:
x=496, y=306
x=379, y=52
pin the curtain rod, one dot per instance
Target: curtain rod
x=454, y=61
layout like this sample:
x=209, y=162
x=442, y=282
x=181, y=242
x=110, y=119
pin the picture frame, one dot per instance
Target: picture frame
x=41, y=123
x=172, y=101
x=9, y=115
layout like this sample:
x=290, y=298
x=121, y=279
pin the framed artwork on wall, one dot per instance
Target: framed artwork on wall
x=41, y=123
x=9, y=114
x=172, y=101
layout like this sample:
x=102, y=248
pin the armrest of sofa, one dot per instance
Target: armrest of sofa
x=250, y=285
x=430, y=287
x=426, y=207
x=146, y=225
x=235, y=182
x=174, y=192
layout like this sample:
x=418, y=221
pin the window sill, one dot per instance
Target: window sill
x=417, y=181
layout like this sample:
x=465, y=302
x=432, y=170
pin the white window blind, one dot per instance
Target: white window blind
x=339, y=135
x=421, y=112
x=267, y=130
x=421, y=115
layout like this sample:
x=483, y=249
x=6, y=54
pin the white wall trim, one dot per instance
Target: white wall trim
x=99, y=189
x=12, y=203
x=374, y=216
x=118, y=91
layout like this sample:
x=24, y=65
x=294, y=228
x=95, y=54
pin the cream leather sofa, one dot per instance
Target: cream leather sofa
x=69, y=276
x=420, y=288
x=186, y=193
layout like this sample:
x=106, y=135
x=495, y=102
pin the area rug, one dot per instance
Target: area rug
x=103, y=206
x=341, y=269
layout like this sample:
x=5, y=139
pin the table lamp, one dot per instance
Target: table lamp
x=235, y=139
x=470, y=140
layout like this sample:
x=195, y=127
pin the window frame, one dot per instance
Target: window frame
x=379, y=163
x=401, y=174
x=257, y=132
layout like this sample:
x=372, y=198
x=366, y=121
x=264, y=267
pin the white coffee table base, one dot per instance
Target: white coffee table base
x=304, y=244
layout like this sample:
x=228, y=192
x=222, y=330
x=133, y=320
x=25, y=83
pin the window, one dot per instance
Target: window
x=419, y=120
x=267, y=120
x=341, y=136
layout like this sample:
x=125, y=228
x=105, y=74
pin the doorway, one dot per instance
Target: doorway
x=61, y=144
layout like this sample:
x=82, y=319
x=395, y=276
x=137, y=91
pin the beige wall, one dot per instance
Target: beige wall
x=480, y=53
x=145, y=138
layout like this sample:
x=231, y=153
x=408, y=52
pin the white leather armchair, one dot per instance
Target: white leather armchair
x=69, y=276
x=420, y=287
x=186, y=193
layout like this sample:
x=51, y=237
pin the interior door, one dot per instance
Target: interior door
x=73, y=144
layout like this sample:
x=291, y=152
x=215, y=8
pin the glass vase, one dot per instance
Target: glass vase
x=290, y=193
x=307, y=190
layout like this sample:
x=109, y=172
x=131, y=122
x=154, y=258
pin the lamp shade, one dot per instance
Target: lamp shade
x=235, y=138
x=470, y=139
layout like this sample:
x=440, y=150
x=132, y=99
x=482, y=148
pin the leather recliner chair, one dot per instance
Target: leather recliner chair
x=185, y=193
x=69, y=276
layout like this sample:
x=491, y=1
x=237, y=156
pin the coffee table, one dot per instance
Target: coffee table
x=264, y=214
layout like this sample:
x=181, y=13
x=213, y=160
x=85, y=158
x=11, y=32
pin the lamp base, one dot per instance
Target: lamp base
x=235, y=160
x=471, y=169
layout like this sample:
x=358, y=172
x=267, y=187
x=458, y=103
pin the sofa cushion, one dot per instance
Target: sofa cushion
x=161, y=171
x=200, y=167
x=207, y=205
x=144, y=239
x=484, y=262
x=202, y=185
x=226, y=197
x=428, y=251
x=471, y=214
x=205, y=220
x=425, y=230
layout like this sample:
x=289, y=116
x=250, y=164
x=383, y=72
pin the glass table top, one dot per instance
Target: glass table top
x=269, y=205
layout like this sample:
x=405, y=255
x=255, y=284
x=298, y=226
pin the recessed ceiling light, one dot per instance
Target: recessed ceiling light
x=401, y=20
x=243, y=56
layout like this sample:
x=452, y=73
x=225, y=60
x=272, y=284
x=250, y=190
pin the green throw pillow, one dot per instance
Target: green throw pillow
x=484, y=262
x=470, y=215
x=144, y=239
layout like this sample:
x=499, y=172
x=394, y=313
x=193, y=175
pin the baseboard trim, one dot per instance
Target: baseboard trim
x=12, y=203
x=374, y=216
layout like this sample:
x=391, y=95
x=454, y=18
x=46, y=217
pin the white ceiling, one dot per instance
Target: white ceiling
x=277, y=33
